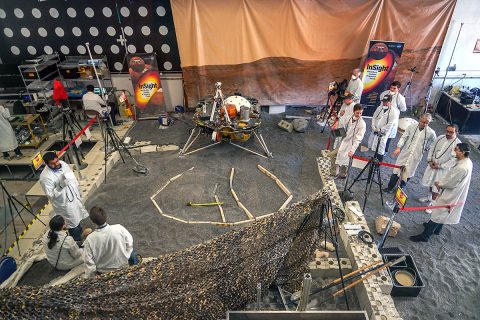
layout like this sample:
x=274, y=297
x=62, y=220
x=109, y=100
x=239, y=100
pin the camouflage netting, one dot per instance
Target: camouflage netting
x=201, y=282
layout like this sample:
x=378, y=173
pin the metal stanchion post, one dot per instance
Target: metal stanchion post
x=305, y=294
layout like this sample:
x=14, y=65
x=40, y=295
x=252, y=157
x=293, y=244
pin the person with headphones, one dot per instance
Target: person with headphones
x=453, y=188
x=63, y=191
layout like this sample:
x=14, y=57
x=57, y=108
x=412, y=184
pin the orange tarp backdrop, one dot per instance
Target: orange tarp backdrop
x=286, y=51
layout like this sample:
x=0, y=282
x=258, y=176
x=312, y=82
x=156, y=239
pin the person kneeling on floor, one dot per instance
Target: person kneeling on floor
x=109, y=247
x=453, y=188
x=355, y=128
x=61, y=249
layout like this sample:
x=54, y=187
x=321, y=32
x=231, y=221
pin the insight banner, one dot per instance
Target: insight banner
x=379, y=70
x=146, y=83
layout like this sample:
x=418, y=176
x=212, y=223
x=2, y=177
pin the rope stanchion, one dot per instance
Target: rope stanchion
x=386, y=164
x=447, y=206
x=62, y=151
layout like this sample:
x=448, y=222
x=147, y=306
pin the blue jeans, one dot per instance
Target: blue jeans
x=133, y=260
x=76, y=233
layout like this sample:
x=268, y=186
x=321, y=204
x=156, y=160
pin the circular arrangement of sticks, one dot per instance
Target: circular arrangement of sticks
x=223, y=222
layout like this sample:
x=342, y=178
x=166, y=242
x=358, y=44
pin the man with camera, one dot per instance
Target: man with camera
x=384, y=126
x=355, y=86
x=398, y=100
x=345, y=112
x=63, y=191
x=354, y=129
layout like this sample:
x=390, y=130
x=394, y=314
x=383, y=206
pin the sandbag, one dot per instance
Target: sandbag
x=381, y=223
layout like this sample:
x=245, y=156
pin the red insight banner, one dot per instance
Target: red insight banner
x=146, y=83
x=379, y=69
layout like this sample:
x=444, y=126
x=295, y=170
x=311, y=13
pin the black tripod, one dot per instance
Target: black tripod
x=70, y=125
x=373, y=171
x=11, y=203
x=113, y=140
x=330, y=218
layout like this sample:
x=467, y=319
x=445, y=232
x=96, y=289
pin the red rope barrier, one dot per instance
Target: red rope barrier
x=386, y=164
x=61, y=152
x=447, y=206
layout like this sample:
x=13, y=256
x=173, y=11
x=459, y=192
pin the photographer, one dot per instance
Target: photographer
x=355, y=86
x=398, y=100
x=63, y=191
x=384, y=124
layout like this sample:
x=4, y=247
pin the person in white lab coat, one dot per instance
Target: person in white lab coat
x=416, y=139
x=398, y=100
x=345, y=112
x=453, y=188
x=61, y=249
x=62, y=189
x=92, y=101
x=441, y=157
x=384, y=124
x=355, y=85
x=109, y=247
x=355, y=128
x=8, y=141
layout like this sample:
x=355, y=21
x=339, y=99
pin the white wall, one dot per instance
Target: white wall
x=468, y=12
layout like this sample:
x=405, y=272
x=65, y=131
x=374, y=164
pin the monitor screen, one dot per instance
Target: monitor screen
x=97, y=90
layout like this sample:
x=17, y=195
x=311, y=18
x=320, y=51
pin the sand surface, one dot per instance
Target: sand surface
x=448, y=263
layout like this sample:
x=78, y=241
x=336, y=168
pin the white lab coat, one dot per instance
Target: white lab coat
x=385, y=122
x=354, y=135
x=398, y=100
x=92, y=101
x=107, y=249
x=70, y=255
x=356, y=88
x=443, y=154
x=413, y=144
x=347, y=114
x=8, y=141
x=66, y=201
x=454, y=190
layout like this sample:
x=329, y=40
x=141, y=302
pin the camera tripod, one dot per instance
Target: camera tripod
x=373, y=167
x=112, y=139
x=11, y=203
x=69, y=126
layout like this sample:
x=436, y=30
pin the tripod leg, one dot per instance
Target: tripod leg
x=357, y=178
x=368, y=187
x=334, y=239
x=380, y=183
x=17, y=240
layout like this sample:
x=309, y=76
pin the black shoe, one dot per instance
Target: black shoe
x=387, y=190
x=434, y=232
x=418, y=238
